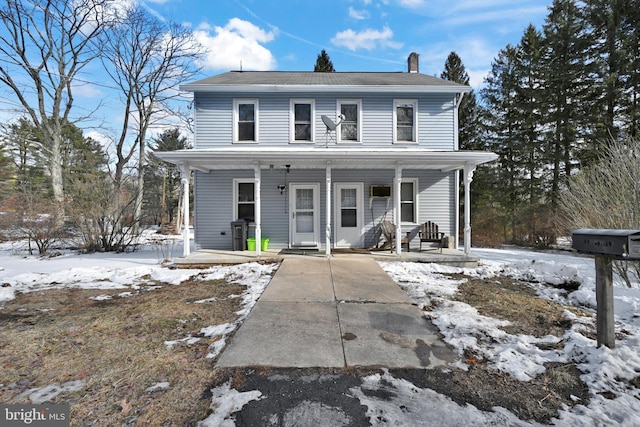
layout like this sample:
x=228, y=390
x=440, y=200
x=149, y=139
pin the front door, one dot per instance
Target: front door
x=305, y=218
x=348, y=214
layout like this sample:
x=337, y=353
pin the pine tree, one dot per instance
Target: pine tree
x=323, y=63
x=606, y=21
x=455, y=71
x=501, y=125
x=163, y=181
x=569, y=112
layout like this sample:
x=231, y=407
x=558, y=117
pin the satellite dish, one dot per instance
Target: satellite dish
x=328, y=123
x=331, y=127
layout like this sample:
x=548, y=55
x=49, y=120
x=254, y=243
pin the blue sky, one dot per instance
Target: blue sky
x=287, y=35
x=359, y=35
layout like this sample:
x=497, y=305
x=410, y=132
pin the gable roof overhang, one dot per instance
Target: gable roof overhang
x=312, y=82
x=248, y=157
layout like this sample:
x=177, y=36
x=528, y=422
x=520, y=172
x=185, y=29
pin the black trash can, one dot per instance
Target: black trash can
x=239, y=234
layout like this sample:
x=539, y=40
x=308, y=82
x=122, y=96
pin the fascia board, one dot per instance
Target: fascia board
x=407, y=158
x=257, y=88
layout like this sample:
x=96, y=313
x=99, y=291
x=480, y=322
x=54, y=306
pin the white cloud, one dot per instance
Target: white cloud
x=86, y=90
x=366, y=39
x=238, y=42
x=358, y=14
x=412, y=3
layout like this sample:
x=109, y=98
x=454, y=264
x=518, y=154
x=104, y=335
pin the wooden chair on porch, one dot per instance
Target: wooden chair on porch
x=389, y=232
x=429, y=233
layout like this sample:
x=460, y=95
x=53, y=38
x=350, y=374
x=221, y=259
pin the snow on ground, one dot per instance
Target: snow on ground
x=603, y=369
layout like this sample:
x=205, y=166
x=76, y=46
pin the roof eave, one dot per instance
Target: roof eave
x=326, y=88
x=446, y=160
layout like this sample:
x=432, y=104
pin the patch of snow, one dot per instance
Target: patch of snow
x=224, y=402
x=48, y=393
x=410, y=405
x=158, y=386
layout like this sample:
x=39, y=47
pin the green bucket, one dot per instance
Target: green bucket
x=264, y=244
x=251, y=244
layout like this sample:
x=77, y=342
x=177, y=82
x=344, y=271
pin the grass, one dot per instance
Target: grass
x=117, y=347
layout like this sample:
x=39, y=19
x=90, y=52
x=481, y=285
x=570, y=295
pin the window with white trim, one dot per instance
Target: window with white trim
x=302, y=120
x=245, y=120
x=409, y=200
x=405, y=121
x=351, y=126
x=244, y=201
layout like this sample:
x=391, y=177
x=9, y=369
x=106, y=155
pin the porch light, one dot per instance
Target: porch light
x=282, y=188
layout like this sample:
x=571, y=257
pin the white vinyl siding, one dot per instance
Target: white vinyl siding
x=214, y=197
x=214, y=119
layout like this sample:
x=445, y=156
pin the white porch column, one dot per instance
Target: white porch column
x=327, y=238
x=397, y=216
x=258, y=207
x=185, y=174
x=468, y=177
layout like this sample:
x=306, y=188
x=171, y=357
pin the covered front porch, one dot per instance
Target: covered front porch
x=330, y=160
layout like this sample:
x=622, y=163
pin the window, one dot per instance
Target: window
x=409, y=200
x=302, y=123
x=405, y=121
x=350, y=129
x=245, y=120
x=244, y=204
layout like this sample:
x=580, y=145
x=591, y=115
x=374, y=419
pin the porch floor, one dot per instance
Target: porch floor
x=452, y=257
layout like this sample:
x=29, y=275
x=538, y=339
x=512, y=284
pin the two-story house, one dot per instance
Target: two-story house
x=318, y=160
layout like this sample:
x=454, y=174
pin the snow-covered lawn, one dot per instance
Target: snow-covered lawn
x=604, y=370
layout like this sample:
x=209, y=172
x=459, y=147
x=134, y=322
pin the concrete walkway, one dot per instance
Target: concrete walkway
x=343, y=311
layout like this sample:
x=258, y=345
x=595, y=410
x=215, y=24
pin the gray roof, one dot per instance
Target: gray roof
x=296, y=81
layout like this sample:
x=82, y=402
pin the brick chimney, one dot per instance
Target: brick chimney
x=414, y=66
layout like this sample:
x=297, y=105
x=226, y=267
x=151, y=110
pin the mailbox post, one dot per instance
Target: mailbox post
x=606, y=245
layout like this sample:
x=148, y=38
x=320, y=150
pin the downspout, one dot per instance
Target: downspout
x=456, y=146
x=397, y=214
x=258, y=208
x=327, y=238
x=468, y=177
x=185, y=173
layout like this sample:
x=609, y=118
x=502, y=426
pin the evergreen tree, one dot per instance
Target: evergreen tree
x=569, y=112
x=531, y=218
x=323, y=63
x=500, y=121
x=163, y=189
x=631, y=80
x=607, y=32
x=455, y=71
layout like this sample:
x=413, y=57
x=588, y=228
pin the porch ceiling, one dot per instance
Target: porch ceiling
x=246, y=157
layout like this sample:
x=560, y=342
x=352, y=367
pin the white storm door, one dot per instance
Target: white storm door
x=305, y=218
x=348, y=215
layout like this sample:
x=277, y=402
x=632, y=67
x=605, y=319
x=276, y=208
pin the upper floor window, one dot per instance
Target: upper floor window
x=405, y=120
x=350, y=128
x=245, y=120
x=302, y=123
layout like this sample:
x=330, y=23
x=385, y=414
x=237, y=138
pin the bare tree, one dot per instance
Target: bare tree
x=45, y=44
x=607, y=195
x=147, y=59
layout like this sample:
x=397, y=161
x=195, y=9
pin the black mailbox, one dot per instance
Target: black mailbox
x=616, y=244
